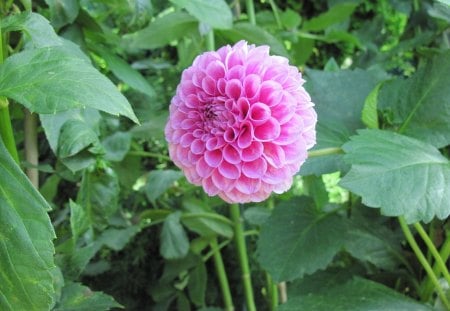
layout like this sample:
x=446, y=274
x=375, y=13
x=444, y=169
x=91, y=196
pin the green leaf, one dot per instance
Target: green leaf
x=75, y=136
x=369, y=113
x=254, y=35
x=159, y=181
x=296, y=240
x=52, y=123
x=63, y=12
x=339, y=98
x=117, y=239
x=174, y=241
x=334, y=15
x=421, y=104
x=37, y=30
x=399, y=174
x=77, y=297
x=48, y=80
x=161, y=31
x=215, y=13
x=122, y=70
x=290, y=19
x=98, y=195
x=117, y=146
x=197, y=284
x=356, y=295
x=26, y=248
x=256, y=215
x=79, y=222
x=196, y=219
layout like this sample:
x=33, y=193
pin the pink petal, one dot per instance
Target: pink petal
x=275, y=175
x=216, y=70
x=229, y=170
x=222, y=182
x=254, y=169
x=245, y=136
x=198, y=146
x=268, y=131
x=209, y=85
x=290, y=131
x=243, y=106
x=285, y=110
x=296, y=151
x=274, y=154
x=231, y=154
x=252, y=152
x=248, y=185
x=213, y=157
x=186, y=140
x=210, y=187
x=202, y=168
x=230, y=135
x=251, y=85
x=233, y=89
x=259, y=113
x=270, y=93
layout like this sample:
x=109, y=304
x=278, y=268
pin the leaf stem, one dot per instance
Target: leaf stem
x=222, y=276
x=427, y=285
x=31, y=147
x=250, y=7
x=421, y=257
x=6, y=131
x=439, y=261
x=272, y=291
x=213, y=216
x=275, y=14
x=140, y=153
x=324, y=152
x=242, y=256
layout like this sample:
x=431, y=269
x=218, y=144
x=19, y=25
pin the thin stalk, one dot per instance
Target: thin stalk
x=423, y=261
x=250, y=7
x=222, y=276
x=275, y=14
x=6, y=131
x=242, y=256
x=210, y=42
x=212, y=216
x=272, y=291
x=31, y=147
x=427, y=285
x=432, y=248
x=324, y=152
x=146, y=154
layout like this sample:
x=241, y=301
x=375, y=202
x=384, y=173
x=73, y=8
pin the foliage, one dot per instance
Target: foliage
x=111, y=222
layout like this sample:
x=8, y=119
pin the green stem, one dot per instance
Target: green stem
x=324, y=152
x=249, y=5
x=212, y=216
x=421, y=257
x=272, y=291
x=242, y=256
x=427, y=286
x=140, y=153
x=275, y=14
x=434, y=251
x=31, y=147
x=6, y=131
x=210, y=42
x=221, y=274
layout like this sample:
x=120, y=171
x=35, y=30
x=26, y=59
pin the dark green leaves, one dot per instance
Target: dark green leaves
x=159, y=181
x=421, y=104
x=174, y=241
x=401, y=175
x=296, y=240
x=48, y=80
x=356, y=295
x=214, y=13
x=26, y=249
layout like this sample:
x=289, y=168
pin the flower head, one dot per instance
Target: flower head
x=241, y=123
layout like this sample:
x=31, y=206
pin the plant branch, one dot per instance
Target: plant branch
x=324, y=152
x=31, y=147
x=250, y=7
x=242, y=256
x=222, y=276
x=423, y=261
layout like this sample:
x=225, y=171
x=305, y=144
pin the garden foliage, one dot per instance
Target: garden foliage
x=108, y=221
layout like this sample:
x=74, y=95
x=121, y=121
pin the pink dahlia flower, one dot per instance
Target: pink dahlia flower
x=241, y=123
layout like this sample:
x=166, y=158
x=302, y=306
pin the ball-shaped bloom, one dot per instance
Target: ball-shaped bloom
x=241, y=123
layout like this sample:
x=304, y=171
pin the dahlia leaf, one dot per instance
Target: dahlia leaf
x=421, y=104
x=356, y=294
x=161, y=32
x=336, y=14
x=26, y=248
x=159, y=181
x=215, y=13
x=255, y=35
x=339, y=97
x=401, y=175
x=174, y=240
x=297, y=240
x=76, y=296
x=52, y=79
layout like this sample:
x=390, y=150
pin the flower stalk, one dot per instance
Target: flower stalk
x=222, y=276
x=242, y=256
x=423, y=261
x=250, y=11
